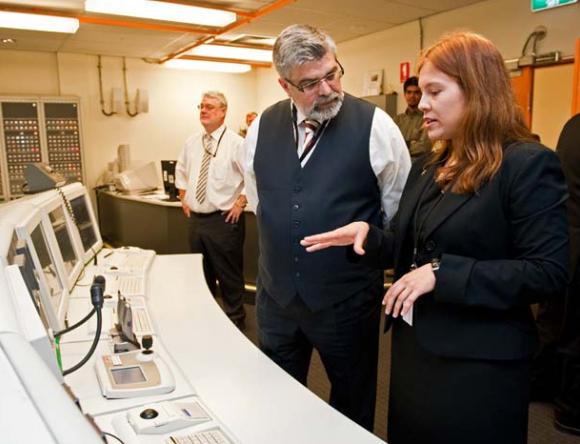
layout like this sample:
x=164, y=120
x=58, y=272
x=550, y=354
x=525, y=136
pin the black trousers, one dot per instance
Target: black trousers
x=222, y=246
x=346, y=337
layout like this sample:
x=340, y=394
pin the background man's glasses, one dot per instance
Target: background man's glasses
x=207, y=107
x=311, y=86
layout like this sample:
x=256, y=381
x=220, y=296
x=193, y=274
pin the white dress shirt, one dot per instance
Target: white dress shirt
x=225, y=180
x=388, y=151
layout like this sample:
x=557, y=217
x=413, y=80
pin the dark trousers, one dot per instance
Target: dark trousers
x=222, y=246
x=346, y=337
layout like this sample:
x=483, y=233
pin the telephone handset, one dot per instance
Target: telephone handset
x=41, y=177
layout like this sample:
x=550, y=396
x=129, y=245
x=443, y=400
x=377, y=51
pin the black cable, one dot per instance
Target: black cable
x=79, y=323
x=101, y=282
x=93, y=346
x=97, y=299
x=113, y=436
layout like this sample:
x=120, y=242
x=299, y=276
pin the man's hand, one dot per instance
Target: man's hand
x=185, y=208
x=234, y=214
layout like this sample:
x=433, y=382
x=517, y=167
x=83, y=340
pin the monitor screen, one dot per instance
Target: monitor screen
x=48, y=267
x=84, y=222
x=128, y=375
x=168, y=172
x=19, y=254
x=63, y=238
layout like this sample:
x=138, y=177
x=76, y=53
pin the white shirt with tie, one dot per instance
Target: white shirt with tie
x=225, y=180
x=388, y=152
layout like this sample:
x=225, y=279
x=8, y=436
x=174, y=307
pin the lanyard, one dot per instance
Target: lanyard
x=218, y=144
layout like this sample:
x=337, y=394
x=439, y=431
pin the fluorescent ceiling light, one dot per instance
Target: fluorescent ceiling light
x=154, y=10
x=37, y=22
x=201, y=65
x=232, y=52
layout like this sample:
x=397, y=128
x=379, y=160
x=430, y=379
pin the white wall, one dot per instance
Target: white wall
x=159, y=134
x=506, y=22
x=173, y=95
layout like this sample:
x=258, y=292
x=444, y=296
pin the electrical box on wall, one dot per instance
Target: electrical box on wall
x=386, y=102
x=38, y=129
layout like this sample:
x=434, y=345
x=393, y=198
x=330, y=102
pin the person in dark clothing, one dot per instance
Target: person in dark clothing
x=320, y=157
x=471, y=251
x=567, y=411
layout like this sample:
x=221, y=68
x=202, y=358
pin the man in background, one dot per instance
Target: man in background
x=210, y=183
x=411, y=121
x=250, y=117
x=314, y=161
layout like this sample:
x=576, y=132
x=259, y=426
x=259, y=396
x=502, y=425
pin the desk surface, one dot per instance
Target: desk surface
x=247, y=392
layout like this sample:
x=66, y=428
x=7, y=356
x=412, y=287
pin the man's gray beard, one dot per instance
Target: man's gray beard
x=322, y=115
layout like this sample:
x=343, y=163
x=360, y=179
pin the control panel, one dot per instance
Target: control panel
x=21, y=141
x=39, y=130
x=63, y=139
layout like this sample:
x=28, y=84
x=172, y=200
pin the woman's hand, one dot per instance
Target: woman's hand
x=404, y=292
x=354, y=233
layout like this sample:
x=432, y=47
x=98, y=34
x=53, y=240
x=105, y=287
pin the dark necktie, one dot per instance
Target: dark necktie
x=310, y=129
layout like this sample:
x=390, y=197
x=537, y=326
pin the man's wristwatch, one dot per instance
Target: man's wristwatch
x=435, y=264
x=243, y=204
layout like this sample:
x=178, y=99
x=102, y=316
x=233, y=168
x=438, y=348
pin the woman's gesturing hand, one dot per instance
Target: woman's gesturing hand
x=354, y=233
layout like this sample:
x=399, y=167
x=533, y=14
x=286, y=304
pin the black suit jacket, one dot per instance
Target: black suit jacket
x=501, y=249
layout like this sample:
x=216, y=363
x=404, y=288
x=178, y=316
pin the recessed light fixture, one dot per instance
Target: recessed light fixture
x=201, y=65
x=155, y=10
x=37, y=22
x=232, y=52
x=7, y=41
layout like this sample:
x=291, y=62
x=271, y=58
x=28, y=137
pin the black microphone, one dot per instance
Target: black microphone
x=97, y=291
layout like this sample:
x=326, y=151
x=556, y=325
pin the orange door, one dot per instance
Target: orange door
x=576, y=81
x=523, y=87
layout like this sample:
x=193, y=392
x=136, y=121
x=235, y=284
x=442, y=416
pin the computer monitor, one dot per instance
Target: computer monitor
x=14, y=251
x=42, y=248
x=59, y=218
x=168, y=172
x=41, y=411
x=139, y=179
x=19, y=255
x=87, y=233
x=62, y=225
x=32, y=327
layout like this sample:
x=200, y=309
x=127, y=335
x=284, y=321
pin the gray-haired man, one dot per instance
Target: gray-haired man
x=313, y=162
x=210, y=181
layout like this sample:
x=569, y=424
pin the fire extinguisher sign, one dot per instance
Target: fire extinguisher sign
x=404, y=71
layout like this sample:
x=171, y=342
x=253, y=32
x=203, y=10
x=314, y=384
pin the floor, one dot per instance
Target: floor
x=541, y=428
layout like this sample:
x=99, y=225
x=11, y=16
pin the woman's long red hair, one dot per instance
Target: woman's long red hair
x=492, y=115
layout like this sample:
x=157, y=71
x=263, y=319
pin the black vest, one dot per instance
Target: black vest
x=336, y=186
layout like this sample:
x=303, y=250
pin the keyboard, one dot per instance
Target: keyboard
x=132, y=285
x=128, y=260
x=127, y=285
x=215, y=436
x=138, y=260
x=141, y=321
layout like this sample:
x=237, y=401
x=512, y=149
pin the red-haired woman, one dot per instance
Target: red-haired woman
x=480, y=235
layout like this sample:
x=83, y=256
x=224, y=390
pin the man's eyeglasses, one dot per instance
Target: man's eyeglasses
x=207, y=107
x=312, y=85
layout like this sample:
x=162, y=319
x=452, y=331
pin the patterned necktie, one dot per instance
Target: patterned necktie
x=310, y=129
x=201, y=188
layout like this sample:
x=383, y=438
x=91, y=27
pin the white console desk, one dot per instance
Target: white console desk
x=250, y=395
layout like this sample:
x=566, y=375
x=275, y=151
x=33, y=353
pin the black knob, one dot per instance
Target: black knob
x=147, y=343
